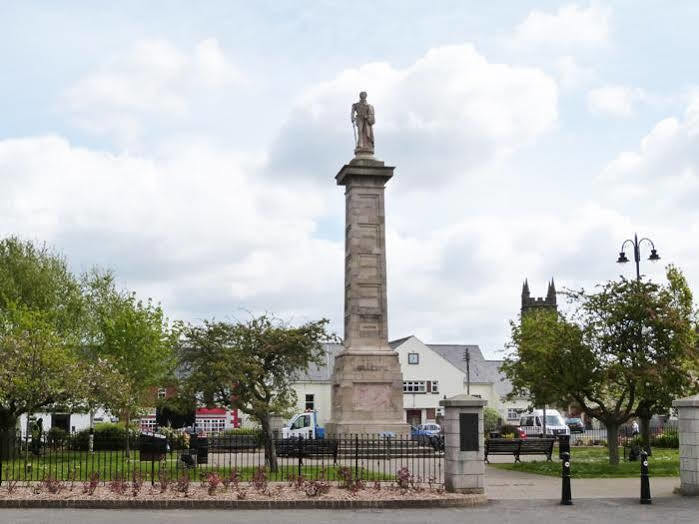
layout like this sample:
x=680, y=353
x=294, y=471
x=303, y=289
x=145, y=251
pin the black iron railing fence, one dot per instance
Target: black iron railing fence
x=369, y=457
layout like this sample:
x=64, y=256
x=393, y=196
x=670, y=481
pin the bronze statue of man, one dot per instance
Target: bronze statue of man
x=362, y=116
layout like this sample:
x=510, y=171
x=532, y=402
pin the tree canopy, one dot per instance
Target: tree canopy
x=250, y=365
x=625, y=344
x=40, y=311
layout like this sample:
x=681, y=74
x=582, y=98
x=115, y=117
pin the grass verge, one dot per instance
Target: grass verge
x=593, y=462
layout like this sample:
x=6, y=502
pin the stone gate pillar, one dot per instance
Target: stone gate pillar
x=688, y=409
x=464, y=444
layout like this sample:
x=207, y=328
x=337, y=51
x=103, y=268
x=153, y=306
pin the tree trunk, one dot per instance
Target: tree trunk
x=645, y=431
x=91, y=437
x=8, y=440
x=128, y=444
x=268, y=440
x=613, y=442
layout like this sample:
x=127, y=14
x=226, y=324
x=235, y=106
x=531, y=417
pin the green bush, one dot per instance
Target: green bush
x=108, y=436
x=508, y=429
x=666, y=440
x=176, y=439
x=491, y=419
x=56, y=436
x=242, y=431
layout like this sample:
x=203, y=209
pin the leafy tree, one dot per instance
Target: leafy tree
x=250, y=366
x=606, y=356
x=40, y=312
x=669, y=367
x=130, y=345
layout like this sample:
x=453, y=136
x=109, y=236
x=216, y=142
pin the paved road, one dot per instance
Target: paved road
x=600, y=511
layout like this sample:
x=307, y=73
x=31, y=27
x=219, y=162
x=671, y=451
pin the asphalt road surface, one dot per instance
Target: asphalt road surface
x=598, y=511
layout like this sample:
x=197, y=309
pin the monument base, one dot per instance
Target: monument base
x=367, y=393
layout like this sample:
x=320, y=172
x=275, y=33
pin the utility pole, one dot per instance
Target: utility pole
x=467, y=358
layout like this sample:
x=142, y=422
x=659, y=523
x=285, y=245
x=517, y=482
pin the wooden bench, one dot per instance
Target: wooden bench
x=518, y=447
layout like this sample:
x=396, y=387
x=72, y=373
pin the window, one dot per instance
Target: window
x=512, y=414
x=414, y=386
x=310, y=401
x=161, y=393
x=435, y=386
x=413, y=358
x=210, y=425
x=147, y=425
x=301, y=422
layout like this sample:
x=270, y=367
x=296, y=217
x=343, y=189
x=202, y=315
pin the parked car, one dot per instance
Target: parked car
x=576, y=425
x=532, y=423
x=423, y=432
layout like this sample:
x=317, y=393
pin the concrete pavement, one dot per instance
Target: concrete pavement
x=502, y=484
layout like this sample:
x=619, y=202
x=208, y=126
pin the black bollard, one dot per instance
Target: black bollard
x=566, y=498
x=645, y=480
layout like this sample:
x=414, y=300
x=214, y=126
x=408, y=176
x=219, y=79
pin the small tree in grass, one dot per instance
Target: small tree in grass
x=250, y=366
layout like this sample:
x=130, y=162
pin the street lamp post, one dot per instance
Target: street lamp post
x=636, y=243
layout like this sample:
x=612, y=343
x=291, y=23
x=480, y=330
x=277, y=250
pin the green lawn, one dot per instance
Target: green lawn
x=593, y=462
x=112, y=464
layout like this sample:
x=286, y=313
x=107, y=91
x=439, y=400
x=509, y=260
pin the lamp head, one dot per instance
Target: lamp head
x=654, y=257
x=622, y=258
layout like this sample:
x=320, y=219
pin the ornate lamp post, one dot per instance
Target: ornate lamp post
x=636, y=243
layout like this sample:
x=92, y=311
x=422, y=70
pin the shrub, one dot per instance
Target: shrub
x=163, y=480
x=118, y=485
x=666, y=440
x=176, y=439
x=214, y=481
x=56, y=436
x=52, y=484
x=259, y=480
x=183, y=484
x=90, y=486
x=491, y=419
x=508, y=429
x=108, y=436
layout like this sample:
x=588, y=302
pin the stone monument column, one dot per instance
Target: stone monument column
x=367, y=383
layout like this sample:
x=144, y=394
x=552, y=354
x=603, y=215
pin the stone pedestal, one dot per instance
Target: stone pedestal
x=464, y=444
x=367, y=383
x=688, y=409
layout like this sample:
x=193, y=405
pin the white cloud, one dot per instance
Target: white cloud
x=195, y=229
x=569, y=25
x=152, y=79
x=571, y=74
x=614, y=100
x=452, y=104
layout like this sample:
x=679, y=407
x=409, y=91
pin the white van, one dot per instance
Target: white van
x=532, y=423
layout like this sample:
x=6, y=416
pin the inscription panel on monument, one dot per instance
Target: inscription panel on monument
x=468, y=431
x=371, y=397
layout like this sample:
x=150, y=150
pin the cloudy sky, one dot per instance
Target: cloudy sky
x=192, y=149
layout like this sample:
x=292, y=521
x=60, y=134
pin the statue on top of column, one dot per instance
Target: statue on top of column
x=362, y=116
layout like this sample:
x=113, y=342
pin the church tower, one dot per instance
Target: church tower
x=529, y=302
